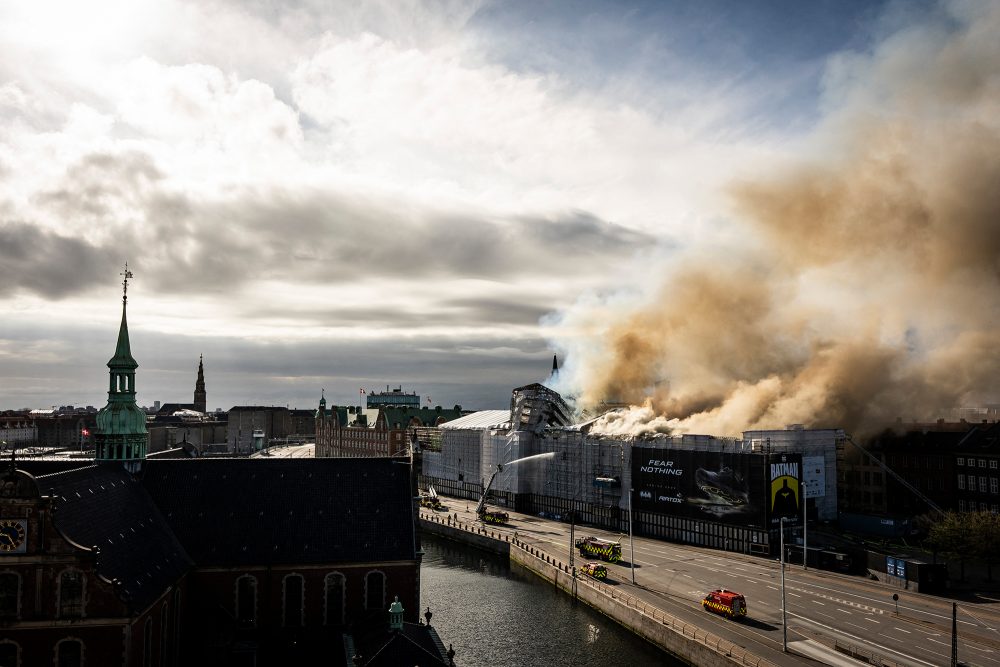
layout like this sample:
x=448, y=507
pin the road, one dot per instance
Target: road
x=287, y=452
x=820, y=605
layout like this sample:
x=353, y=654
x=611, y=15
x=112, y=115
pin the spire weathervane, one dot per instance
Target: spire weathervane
x=127, y=274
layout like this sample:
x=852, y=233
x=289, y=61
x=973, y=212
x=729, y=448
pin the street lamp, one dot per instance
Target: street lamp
x=784, y=618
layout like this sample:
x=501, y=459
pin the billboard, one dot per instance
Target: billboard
x=724, y=487
x=784, y=474
x=814, y=476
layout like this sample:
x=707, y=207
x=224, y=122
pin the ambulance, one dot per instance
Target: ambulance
x=726, y=603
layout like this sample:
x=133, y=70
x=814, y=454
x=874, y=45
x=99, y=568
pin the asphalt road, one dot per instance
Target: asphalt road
x=819, y=604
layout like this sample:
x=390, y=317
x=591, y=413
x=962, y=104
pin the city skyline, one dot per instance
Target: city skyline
x=441, y=195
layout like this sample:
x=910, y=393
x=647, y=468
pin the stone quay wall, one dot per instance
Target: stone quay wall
x=686, y=641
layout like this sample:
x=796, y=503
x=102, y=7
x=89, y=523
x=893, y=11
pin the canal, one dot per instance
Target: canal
x=497, y=614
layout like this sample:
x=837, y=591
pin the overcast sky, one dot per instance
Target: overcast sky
x=345, y=195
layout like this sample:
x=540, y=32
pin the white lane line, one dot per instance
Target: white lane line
x=844, y=611
x=870, y=620
x=855, y=626
x=821, y=604
x=937, y=642
x=863, y=641
x=773, y=588
x=902, y=630
x=794, y=595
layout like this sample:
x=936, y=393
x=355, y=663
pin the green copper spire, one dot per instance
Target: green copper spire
x=121, y=425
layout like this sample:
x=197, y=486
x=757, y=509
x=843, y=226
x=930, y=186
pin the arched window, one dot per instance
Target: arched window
x=164, y=622
x=177, y=624
x=333, y=608
x=10, y=653
x=246, y=600
x=374, y=590
x=147, y=643
x=10, y=596
x=292, y=591
x=71, y=587
x=69, y=653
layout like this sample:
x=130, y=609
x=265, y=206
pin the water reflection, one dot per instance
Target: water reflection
x=497, y=614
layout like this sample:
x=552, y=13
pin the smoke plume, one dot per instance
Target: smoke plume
x=868, y=288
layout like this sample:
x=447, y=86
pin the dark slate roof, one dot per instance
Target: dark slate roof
x=232, y=512
x=104, y=506
x=415, y=644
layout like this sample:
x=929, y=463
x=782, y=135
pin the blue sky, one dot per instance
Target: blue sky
x=433, y=194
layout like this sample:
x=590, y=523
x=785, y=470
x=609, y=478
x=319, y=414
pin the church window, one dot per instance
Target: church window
x=334, y=601
x=374, y=590
x=69, y=653
x=147, y=643
x=10, y=595
x=71, y=585
x=10, y=654
x=293, y=585
x=164, y=619
x=246, y=600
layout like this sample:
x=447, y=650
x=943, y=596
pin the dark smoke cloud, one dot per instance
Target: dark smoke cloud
x=869, y=288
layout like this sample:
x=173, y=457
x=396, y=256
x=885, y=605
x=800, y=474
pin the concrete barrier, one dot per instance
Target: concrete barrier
x=683, y=640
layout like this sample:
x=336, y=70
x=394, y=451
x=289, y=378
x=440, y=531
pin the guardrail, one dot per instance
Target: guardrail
x=717, y=644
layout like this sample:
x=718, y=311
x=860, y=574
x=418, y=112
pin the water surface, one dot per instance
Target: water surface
x=497, y=614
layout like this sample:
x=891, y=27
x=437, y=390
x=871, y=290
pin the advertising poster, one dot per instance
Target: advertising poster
x=784, y=488
x=710, y=486
x=814, y=476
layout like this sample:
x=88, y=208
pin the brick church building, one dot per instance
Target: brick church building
x=147, y=562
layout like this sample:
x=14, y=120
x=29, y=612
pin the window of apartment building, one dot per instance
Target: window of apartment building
x=983, y=507
x=960, y=461
x=994, y=508
x=293, y=586
x=961, y=505
x=982, y=484
x=71, y=583
x=994, y=485
x=972, y=482
x=982, y=463
x=961, y=482
x=993, y=464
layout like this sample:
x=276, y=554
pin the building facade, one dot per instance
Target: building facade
x=353, y=431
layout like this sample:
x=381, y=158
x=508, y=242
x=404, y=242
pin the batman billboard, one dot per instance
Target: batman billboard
x=784, y=489
x=725, y=487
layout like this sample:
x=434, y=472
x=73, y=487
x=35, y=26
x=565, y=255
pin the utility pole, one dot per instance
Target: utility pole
x=631, y=544
x=954, y=634
x=784, y=617
x=805, y=541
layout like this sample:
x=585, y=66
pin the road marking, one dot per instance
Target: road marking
x=844, y=611
x=773, y=588
x=795, y=595
x=902, y=630
x=863, y=641
x=821, y=604
x=936, y=641
x=871, y=620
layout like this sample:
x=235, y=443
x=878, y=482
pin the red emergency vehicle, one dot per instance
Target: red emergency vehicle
x=726, y=603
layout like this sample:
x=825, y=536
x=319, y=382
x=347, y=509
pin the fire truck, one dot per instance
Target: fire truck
x=431, y=501
x=726, y=603
x=598, y=548
x=488, y=516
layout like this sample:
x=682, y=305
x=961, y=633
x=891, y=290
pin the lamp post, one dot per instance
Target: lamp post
x=784, y=618
x=805, y=542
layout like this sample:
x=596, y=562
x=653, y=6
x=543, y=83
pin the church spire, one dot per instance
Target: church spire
x=200, y=398
x=121, y=424
x=555, y=365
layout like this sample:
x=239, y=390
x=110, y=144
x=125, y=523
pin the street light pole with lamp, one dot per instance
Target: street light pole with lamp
x=784, y=617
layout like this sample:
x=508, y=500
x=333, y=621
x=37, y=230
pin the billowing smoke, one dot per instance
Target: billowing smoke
x=868, y=286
